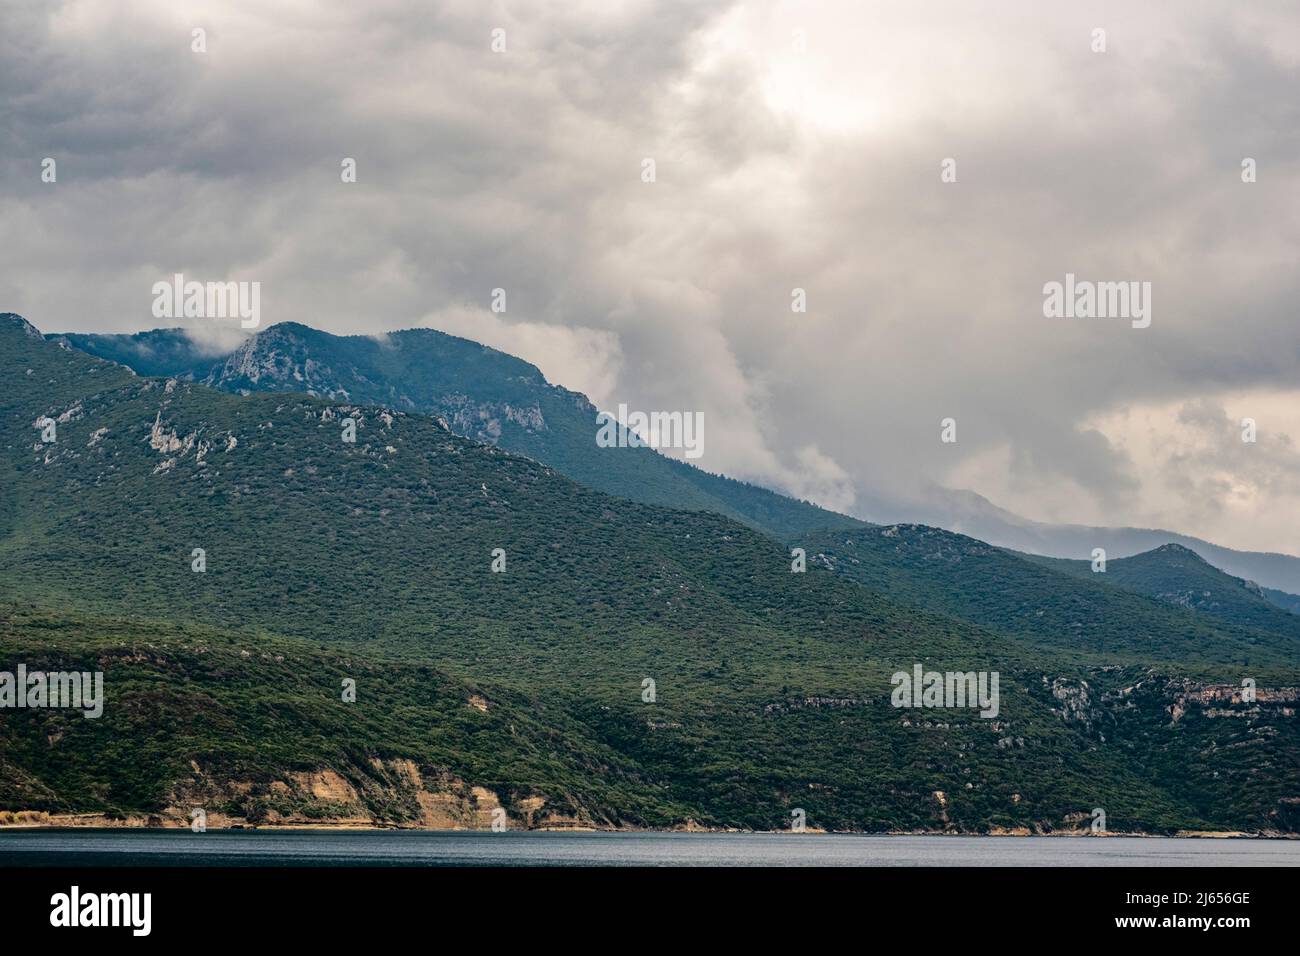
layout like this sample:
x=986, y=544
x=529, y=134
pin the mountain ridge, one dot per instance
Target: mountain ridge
x=511, y=417
x=1175, y=574
x=483, y=393
x=969, y=513
x=956, y=575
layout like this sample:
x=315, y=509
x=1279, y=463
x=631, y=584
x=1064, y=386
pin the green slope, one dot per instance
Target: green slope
x=327, y=559
x=196, y=717
x=1177, y=575
x=1039, y=600
x=200, y=717
x=484, y=394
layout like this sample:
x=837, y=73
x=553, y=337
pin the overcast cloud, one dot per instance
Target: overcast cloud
x=776, y=169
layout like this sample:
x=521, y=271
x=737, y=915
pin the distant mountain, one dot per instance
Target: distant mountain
x=629, y=665
x=974, y=515
x=1044, y=599
x=1288, y=602
x=483, y=394
x=1177, y=575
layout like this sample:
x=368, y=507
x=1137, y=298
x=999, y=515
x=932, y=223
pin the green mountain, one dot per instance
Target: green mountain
x=974, y=515
x=527, y=689
x=481, y=393
x=1288, y=602
x=1044, y=601
x=1177, y=575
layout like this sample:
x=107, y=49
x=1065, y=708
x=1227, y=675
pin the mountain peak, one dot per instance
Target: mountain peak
x=285, y=329
x=14, y=321
x=1173, y=550
x=482, y=393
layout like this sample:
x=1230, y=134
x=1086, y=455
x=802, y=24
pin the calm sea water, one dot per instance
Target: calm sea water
x=422, y=848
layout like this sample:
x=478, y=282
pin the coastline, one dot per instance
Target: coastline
x=39, y=820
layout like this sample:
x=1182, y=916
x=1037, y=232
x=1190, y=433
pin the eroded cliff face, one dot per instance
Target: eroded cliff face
x=1074, y=700
x=484, y=421
x=1232, y=700
x=394, y=792
x=282, y=359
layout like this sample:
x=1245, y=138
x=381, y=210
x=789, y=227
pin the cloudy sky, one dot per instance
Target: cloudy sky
x=796, y=145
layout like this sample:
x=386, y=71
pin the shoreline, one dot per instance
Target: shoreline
x=100, y=825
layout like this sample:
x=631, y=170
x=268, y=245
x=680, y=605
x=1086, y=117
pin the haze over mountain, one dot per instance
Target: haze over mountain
x=526, y=688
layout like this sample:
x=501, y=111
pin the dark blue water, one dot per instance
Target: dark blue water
x=425, y=848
